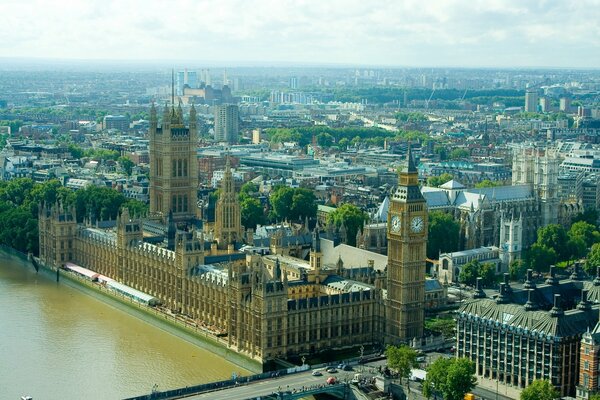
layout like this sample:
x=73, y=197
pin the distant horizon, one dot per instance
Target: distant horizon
x=494, y=34
x=199, y=64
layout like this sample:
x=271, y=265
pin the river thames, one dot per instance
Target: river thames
x=59, y=343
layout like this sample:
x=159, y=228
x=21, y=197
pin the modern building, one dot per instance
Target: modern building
x=227, y=123
x=531, y=100
x=528, y=333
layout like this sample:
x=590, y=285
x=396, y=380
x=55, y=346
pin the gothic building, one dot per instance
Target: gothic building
x=269, y=304
x=407, y=242
x=173, y=165
x=228, y=220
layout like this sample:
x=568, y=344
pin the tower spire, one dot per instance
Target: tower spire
x=173, y=88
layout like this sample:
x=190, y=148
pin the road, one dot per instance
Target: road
x=269, y=386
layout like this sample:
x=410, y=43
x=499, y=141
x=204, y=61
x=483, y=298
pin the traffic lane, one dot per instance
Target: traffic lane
x=269, y=386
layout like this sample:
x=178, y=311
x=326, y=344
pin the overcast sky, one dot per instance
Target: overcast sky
x=469, y=33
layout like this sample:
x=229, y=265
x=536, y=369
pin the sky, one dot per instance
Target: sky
x=428, y=33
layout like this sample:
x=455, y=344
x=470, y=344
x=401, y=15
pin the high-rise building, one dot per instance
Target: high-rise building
x=192, y=79
x=407, y=242
x=180, y=82
x=174, y=165
x=227, y=123
x=531, y=100
x=293, y=82
x=565, y=104
x=119, y=122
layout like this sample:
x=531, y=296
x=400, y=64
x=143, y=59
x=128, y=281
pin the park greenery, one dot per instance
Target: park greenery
x=437, y=181
x=443, y=235
x=251, y=209
x=555, y=244
x=20, y=200
x=293, y=204
x=348, y=136
x=401, y=359
x=441, y=324
x=474, y=269
x=540, y=389
x=451, y=378
x=352, y=217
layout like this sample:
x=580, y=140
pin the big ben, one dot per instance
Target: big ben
x=407, y=243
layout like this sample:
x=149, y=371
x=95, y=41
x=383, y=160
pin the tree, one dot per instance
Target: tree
x=248, y=189
x=586, y=231
x=593, y=259
x=443, y=234
x=539, y=257
x=436, y=377
x=487, y=273
x=352, y=217
x=459, y=153
x=252, y=213
x=469, y=273
x=281, y=201
x=540, y=390
x=517, y=270
x=554, y=237
x=126, y=164
x=443, y=326
x=590, y=216
x=436, y=181
x=304, y=204
x=452, y=378
x=486, y=183
x=402, y=359
x=460, y=379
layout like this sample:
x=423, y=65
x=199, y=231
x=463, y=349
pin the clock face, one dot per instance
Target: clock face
x=395, y=224
x=417, y=224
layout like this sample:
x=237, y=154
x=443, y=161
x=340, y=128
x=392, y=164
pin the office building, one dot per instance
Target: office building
x=531, y=100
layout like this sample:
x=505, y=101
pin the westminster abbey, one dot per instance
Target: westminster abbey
x=267, y=305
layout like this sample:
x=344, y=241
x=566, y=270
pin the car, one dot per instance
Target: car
x=316, y=373
x=331, y=370
x=331, y=380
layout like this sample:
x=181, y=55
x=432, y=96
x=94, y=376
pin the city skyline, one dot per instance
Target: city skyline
x=408, y=33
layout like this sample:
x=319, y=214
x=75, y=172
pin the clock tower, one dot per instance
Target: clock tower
x=407, y=244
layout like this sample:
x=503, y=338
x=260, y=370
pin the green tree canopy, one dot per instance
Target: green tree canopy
x=486, y=183
x=252, y=213
x=539, y=257
x=436, y=181
x=487, y=273
x=517, y=270
x=459, y=153
x=402, y=359
x=469, y=273
x=593, y=259
x=452, y=378
x=293, y=204
x=126, y=164
x=590, y=216
x=443, y=326
x=540, y=390
x=554, y=236
x=443, y=234
x=586, y=231
x=352, y=217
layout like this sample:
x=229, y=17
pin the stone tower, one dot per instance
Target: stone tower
x=228, y=220
x=407, y=242
x=173, y=165
x=511, y=239
x=539, y=168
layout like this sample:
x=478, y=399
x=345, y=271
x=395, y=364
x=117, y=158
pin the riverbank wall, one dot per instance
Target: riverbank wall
x=161, y=320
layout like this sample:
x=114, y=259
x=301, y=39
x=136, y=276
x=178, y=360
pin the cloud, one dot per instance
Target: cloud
x=401, y=32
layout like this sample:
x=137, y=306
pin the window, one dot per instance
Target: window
x=586, y=365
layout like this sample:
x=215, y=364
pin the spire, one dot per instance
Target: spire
x=410, y=163
x=316, y=241
x=173, y=88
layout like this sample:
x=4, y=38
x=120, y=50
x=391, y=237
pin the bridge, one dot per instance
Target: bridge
x=291, y=384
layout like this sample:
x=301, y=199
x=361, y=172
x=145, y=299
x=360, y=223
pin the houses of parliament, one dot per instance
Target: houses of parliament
x=268, y=304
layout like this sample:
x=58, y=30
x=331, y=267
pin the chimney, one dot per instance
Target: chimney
x=584, y=304
x=552, y=280
x=556, y=310
x=529, y=283
x=479, y=293
x=530, y=305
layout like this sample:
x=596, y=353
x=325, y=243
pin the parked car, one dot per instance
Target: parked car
x=316, y=373
x=331, y=370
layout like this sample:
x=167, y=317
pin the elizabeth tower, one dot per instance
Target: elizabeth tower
x=407, y=244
